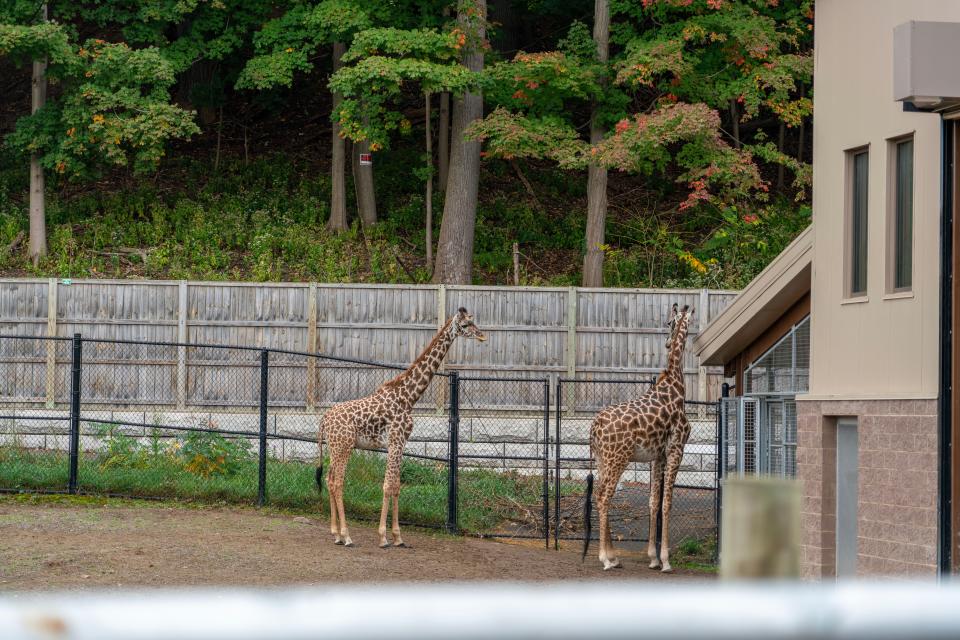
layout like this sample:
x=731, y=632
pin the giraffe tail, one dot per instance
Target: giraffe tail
x=587, y=508
x=319, y=474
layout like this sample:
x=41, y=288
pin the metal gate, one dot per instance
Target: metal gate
x=502, y=457
x=758, y=436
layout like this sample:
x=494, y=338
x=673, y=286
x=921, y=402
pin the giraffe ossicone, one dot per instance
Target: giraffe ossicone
x=384, y=419
x=652, y=428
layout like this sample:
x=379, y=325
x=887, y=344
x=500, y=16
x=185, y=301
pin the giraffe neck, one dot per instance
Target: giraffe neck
x=414, y=381
x=674, y=368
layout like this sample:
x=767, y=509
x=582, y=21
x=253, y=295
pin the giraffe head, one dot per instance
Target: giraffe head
x=679, y=321
x=463, y=326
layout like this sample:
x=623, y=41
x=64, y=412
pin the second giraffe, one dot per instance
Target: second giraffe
x=384, y=419
x=652, y=428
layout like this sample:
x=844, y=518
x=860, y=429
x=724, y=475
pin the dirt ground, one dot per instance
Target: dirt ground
x=70, y=544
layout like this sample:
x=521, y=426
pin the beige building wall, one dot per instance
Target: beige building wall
x=874, y=358
x=880, y=346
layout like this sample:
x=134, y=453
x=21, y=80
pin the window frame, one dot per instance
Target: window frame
x=893, y=202
x=849, y=294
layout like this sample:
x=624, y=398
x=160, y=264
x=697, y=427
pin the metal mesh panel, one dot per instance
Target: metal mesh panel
x=34, y=413
x=503, y=457
x=730, y=425
x=139, y=438
x=749, y=427
x=790, y=438
x=802, y=338
x=775, y=438
x=785, y=367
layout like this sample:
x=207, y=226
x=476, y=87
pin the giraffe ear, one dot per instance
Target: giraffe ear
x=462, y=311
x=674, y=307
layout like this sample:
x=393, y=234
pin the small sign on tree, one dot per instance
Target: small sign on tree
x=366, y=158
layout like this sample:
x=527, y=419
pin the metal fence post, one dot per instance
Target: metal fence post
x=75, y=370
x=556, y=473
x=453, y=454
x=721, y=463
x=264, y=380
x=546, y=464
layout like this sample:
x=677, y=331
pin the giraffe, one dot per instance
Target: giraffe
x=383, y=418
x=652, y=428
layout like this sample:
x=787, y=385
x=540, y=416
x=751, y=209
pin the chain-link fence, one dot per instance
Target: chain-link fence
x=236, y=424
x=240, y=423
x=503, y=457
x=694, y=511
x=35, y=417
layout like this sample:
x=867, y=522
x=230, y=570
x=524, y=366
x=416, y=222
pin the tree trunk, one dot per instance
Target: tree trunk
x=801, y=134
x=735, y=123
x=443, y=142
x=338, y=190
x=428, y=223
x=597, y=176
x=455, y=248
x=363, y=183
x=38, y=209
x=780, y=145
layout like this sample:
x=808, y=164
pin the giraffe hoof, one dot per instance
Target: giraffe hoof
x=666, y=569
x=348, y=543
x=338, y=541
x=654, y=564
x=611, y=564
x=400, y=545
x=384, y=545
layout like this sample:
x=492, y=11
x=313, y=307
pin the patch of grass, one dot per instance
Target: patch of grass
x=486, y=497
x=696, y=555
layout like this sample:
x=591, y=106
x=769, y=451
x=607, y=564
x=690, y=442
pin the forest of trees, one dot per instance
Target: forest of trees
x=594, y=142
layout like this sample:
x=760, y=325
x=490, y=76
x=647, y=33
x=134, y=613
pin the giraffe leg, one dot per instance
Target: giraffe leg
x=383, y=519
x=338, y=465
x=344, y=531
x=673, y=466
x=397, y=540
x=602, y=519
x=608, y=487
x=656, y=481
x=334, y=531
x=391, y=492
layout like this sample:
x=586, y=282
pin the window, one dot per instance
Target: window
x=900, y=218
x=856, y=258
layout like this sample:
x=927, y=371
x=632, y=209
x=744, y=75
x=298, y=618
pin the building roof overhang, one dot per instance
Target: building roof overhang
x=760, y=304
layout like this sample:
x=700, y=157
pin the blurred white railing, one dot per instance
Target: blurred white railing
x=502, y=611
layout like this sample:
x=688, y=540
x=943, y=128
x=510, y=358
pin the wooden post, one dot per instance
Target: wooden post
x=760, y=529
x=441, y=319
x=51, y=370
x=570, y=353
x=702, y=313
x=516, y=264
x=311, y=347
x=181, y=350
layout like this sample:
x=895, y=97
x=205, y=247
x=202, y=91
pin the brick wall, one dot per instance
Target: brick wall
x=897, y=486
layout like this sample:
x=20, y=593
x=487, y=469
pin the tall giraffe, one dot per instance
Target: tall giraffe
x=652, y=428
x=384, y=418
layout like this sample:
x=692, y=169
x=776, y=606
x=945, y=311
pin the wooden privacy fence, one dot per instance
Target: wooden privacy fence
x=533, y=332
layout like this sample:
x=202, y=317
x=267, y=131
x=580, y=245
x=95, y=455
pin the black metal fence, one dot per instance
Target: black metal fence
x=486, y=456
